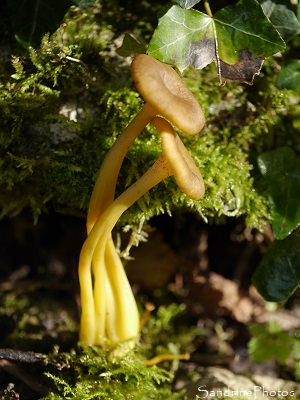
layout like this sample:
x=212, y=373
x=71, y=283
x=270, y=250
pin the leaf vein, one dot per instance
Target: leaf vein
x=246, y=33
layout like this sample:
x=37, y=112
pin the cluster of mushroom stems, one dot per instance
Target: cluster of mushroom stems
x=109, y=312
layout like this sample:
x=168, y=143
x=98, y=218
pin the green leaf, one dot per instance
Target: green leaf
x=289, y=76
x=130, y=46
x=269, y=342
x=284, y=20
x=31, y=19
x=178, y=32
x=278, y=274
x=230, y=39
x=281, y=171
x=187, y=3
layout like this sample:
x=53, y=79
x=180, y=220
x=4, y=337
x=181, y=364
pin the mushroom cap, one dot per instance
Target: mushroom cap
x=163, y=89
x=183, y=167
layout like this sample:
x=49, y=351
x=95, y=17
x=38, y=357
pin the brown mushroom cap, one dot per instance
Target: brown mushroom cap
x=181, y=164
x=163, y=89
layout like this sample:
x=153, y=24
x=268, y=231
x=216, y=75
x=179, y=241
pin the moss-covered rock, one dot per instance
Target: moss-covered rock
x=65, y=103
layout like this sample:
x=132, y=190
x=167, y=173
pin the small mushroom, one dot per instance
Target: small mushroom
x=175, y=161
x=171, y=98
x=181, y=164
x=165, y=94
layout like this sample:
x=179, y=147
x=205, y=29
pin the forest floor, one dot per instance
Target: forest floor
x=207, y=268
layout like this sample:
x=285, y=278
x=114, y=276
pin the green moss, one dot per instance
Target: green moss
x=87, y=372
x=64, y=105
x=120, y=373
x=97, y=373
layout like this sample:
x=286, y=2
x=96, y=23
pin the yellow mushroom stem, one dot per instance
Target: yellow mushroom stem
x=104, y=188
x=122, y=315
x=102, y=196
x=174, y=160
x=93, y=250
x=166, y=357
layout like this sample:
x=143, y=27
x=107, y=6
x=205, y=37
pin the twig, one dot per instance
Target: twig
x=26, y=357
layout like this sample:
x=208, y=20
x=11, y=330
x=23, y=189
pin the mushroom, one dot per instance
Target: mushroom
x=175, y=161
x=165, y=94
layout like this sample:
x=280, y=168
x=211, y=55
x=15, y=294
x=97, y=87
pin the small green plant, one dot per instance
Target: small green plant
x=270, y=342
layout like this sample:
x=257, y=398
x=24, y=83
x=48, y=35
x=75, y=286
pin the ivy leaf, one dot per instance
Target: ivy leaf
x=130, y=45
x=230, y=39
x=281, y=171
x=178, y=37
x=289, y=76
x=278, y=274
x=187, y=3
x=284, y=20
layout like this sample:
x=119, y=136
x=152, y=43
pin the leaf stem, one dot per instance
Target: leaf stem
x=207, y=8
